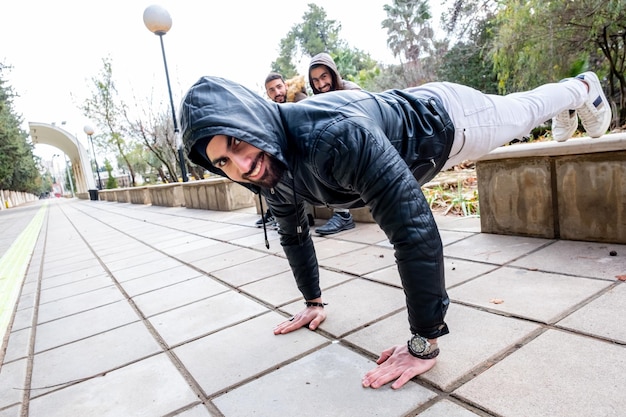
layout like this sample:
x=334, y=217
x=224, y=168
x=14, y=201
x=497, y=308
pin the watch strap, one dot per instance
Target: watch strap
x=430, y=355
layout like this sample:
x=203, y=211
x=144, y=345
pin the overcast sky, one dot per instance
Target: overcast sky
x=57, y=46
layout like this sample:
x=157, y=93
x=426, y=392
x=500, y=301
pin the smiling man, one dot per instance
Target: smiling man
x=358, y=149
x=281, y=91
x=324, y=77
x=243, y=162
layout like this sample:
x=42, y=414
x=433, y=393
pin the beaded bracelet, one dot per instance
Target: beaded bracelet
x=315, y=304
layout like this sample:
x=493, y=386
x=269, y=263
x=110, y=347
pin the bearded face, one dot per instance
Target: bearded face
x=243, y=162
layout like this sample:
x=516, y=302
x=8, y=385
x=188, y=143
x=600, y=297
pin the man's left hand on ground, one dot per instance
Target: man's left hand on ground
x=313, y=316
x=396, y=363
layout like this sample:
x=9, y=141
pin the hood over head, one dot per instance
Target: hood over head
x=217, y=106
x=325, y=59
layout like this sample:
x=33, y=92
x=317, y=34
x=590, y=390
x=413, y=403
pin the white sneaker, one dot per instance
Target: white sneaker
x=564, y=125
x=595, y=114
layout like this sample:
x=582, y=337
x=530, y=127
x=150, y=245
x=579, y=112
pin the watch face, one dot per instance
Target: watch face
x=418, y=344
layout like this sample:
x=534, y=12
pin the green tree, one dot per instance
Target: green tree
x=284, y=63
x=560, y=37
x=468, y=18
x=45, y=181
x=18, y=166
x=353, y=63
x=472, y=26
x=111, y=180
x=155, y=130
x=411, y=39
x=155, y=172
x=315, y=34
x=107, y=110
x=137, y=158
x=410, y=34
x=534, y=41
x=523, y=43
x=468, y=62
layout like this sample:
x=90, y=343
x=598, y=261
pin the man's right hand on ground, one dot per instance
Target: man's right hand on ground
x=313, y=316
x=396, y=363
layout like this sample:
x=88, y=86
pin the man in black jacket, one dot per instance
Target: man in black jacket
x=354, y=149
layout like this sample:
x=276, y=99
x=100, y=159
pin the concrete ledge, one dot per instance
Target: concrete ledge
x=10, y=198
x=107, y=195
x=574, y=190
x=168, y=195
x=139, y=195
x=210, y=194
x=122, y=195
x=217, y=194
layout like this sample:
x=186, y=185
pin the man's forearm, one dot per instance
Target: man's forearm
x=303, y=262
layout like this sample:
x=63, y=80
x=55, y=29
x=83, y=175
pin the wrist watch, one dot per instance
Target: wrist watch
x=421, y=348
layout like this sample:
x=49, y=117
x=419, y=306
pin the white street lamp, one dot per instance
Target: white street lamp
x=159, y=22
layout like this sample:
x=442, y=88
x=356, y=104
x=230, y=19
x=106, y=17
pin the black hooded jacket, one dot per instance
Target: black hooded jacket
x=342, y=149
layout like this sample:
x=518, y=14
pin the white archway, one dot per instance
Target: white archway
x=81, y=166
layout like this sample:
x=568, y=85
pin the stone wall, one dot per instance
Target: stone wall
x=210, y=194
x=217, y=194
x=574, y=190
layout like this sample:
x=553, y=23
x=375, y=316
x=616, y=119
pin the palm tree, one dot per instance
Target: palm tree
x=408, y=28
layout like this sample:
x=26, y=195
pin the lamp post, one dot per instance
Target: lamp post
x=159, y=22
x=89, y=131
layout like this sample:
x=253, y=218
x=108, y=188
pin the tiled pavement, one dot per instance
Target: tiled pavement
x=130, y=310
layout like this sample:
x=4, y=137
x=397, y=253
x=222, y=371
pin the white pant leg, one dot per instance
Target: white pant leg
x=483, y=122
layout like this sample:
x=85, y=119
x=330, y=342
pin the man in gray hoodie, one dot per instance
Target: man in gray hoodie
x=324, y=77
